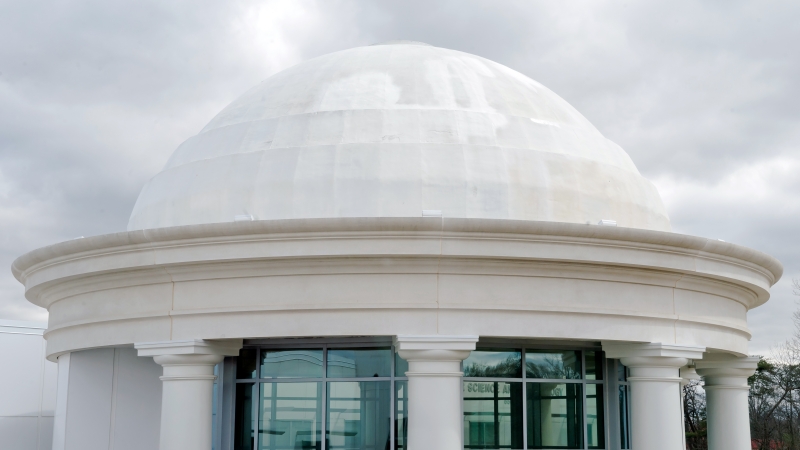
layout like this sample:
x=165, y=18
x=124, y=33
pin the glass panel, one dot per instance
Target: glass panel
x=624, y=433
x=492, y=415
x=358, y=415
x=555, y=414
x=400, y=366
x=357, y=363
x=243, y=438
x=594, y=365
x=595, y=431
x=500, y=363
x=552, y=364
x=621, y=372
x=246, y=364
x=290, y=416
x=401, y=414
x=291, y=364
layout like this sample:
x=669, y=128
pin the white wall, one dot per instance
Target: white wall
x=108, y=399
x=27, y=387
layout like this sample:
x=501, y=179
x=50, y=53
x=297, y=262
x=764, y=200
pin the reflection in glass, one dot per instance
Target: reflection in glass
x=624, y=432
x=358, y=415
x=246, y=363
x=290, y=416
x=499, y=363
x=595, y=431
x=552, y=364
x=594, y=365
x=554, y=415
x=400, y=366
x=401, y=414
x=357, y=363
x=243, y=426
x=291, y=364
x=621, y=372
x=492, y=415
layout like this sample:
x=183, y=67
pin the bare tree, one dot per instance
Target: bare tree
x=774, y=393
x=694, y=416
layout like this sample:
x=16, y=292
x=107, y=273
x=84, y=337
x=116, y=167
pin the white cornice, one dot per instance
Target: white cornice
x=364, y=227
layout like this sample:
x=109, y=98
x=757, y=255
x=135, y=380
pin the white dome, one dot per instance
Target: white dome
x=390, y=131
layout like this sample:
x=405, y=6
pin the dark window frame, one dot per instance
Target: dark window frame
x=226, y=438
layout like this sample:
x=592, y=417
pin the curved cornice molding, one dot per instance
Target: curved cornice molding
x=139, y=239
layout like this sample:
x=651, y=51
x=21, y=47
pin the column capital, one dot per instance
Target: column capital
x=688, y=374
x=634, y=350
x=222, y=347
x=434, y=356
x=726, y=371
x=727, y=365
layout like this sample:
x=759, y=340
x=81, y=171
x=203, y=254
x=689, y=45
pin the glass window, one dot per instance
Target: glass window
x=557, y=402
x=401, y=414
x=555, y=415
x=290, y=416
x=621, y=372
x=594, y=365
x=244, y=437
x=246, y=363
x=291, y=363
x=358, y=415
x=494, y=363
x=492, y=415
x=552, y=364
x=400, y=366
x=358, y=363
x=595, y=427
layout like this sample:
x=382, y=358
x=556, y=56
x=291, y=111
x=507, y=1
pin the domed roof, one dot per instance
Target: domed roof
x=390, y=131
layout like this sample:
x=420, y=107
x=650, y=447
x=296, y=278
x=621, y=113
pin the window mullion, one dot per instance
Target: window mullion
x=392, y=402
x=524, y=402
x=324, y=412
x=583, y=398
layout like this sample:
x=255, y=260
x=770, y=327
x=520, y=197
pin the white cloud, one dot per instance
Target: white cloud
x=94, y=96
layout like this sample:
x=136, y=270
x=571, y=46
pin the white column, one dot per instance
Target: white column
x=725, y=379
x=188, y=382
x=435, y=419
x=655, y=384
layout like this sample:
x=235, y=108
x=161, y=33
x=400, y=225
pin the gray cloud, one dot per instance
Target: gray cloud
x=94, y=96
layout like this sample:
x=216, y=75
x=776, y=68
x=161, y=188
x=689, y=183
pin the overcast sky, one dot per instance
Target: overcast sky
x=705, y=97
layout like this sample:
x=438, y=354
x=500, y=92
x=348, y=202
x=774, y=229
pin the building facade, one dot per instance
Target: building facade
x=396, y=246
x=27, y=387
